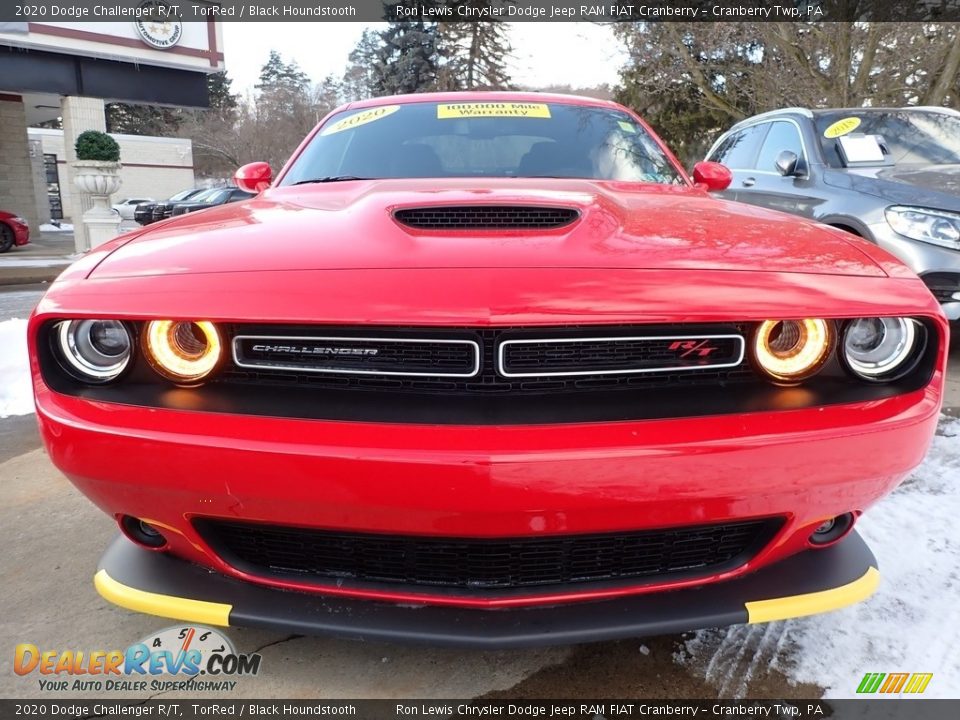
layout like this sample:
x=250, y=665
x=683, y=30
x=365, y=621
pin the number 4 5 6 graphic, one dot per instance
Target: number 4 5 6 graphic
x=894, y=683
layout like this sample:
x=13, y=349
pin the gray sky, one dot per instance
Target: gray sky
x=577, y=54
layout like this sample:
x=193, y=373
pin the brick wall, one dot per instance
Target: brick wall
x=16, y=178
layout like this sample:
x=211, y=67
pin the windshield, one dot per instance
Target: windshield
x=483, y=139
x=217, y=197
x=183, y=195
x=913, y=137
x=204, y=195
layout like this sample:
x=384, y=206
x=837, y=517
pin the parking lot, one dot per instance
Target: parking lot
x=53, y=537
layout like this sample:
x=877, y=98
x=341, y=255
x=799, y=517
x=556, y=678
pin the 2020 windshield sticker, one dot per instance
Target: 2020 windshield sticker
x=492, y=109
x=360, y=118
x=842, y=127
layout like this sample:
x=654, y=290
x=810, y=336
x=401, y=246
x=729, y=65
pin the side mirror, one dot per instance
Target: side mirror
x=788, y=164
x=254, y=177
x=713, y=176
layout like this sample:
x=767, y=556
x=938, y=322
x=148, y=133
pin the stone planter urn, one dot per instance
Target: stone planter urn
x=98, y=180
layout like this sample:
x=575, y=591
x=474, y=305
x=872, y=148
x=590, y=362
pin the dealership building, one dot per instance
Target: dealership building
x=51, y=70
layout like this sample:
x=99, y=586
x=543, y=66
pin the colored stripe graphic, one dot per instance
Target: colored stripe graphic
x=918, y=683
x=870, y=682
x=894, y=683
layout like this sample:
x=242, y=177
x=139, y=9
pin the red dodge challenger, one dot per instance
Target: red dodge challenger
x=14, y=231
x=486, y=369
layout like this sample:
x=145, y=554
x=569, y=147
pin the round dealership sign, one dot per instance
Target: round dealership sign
x=161, y=35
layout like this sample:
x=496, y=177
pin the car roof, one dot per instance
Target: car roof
x=481, y=96
x=817, y=112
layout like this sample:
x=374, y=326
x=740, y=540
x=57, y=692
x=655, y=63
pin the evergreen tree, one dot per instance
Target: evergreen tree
x=142, y=119
x=222, y=100
x=276, y=74
x=474, y=54
x=363, y=77
x=407, y=58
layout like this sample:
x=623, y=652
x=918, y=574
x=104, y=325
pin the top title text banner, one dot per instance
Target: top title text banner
x=38, y=11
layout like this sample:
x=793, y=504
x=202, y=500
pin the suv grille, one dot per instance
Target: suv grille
x=485, y=564
x=486, y=217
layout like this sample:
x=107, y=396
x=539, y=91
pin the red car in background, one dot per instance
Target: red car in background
x=14, y=231
x=486, y=369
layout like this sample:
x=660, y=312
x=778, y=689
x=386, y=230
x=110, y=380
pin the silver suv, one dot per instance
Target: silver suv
x=890, y=175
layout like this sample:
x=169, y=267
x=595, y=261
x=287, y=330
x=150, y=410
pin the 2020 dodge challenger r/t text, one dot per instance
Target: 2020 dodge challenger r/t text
x=486, y=369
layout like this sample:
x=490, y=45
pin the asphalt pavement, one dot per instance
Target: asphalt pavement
x=53, y=538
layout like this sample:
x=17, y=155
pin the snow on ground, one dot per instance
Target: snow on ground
x=16, y=392
x=912, y=622
x=62, y=227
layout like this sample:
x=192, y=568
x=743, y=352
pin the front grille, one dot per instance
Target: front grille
x=610, y=355
x=486, y=217
x=942, y=285
x=485, y=564
x=600, y=370
x=387, y=356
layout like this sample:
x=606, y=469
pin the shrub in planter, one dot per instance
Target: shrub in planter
x=96, y=145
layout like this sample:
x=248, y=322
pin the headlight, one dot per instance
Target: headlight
x=879, y=348
x=930, y=226
x=95, y=351
x=20, y=220
x=185, y=352
x=792, y=350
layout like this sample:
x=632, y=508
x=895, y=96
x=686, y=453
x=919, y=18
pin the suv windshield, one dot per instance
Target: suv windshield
x=483, y=139
x=914, y=137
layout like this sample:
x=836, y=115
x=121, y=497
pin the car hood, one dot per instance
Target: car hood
x=350, y=225
x=935, y=186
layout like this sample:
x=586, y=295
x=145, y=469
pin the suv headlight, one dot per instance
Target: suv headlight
x=931, y=226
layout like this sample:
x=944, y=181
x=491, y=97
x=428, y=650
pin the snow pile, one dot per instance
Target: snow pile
x=62, y=227
x=911, y=624
x=16, y=392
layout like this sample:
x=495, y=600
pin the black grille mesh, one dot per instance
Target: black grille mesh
x=488, y=382
x=623, y=355
x=479, y=564
x=358, y=355
x=486, y=217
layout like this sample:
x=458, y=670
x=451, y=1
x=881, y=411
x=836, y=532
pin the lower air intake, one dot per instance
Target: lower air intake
x=485, y=564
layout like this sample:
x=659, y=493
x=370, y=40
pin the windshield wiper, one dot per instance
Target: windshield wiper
x=332, y=178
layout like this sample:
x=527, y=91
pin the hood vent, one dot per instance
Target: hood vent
x=486, y=217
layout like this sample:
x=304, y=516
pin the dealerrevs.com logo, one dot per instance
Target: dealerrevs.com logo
x=197, y=658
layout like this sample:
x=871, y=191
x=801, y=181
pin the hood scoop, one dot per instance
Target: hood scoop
x=486, y=217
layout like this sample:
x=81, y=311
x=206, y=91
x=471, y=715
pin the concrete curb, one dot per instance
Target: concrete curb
x=29, y=275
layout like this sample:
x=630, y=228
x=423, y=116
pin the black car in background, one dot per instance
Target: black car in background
x=889, y=175
x=144, y=213
x=165, y=209
x=220, y=196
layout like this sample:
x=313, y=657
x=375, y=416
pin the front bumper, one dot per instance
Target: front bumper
x=810, y=582
x=173, y=468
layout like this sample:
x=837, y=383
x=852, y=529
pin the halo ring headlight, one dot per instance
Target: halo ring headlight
x=95, y=351
x=790, y=351
x=185, y=352
x=879, y=348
